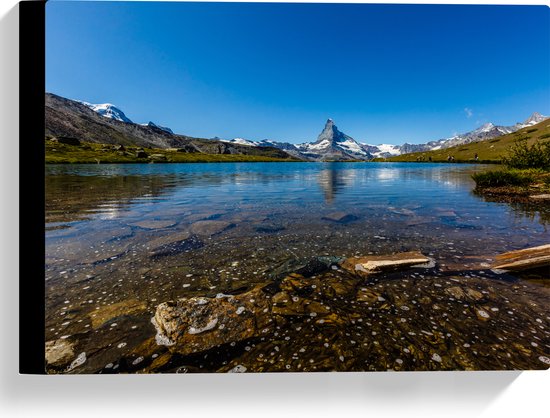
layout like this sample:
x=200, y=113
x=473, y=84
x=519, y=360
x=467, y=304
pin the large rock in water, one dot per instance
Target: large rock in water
x=197, y=324
x=364, y=266
x=59, y=353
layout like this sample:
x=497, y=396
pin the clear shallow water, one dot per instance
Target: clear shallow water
x=106, y=223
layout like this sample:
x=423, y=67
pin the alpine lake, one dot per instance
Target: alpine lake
x=254, y=255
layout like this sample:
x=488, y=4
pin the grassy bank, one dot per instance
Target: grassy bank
x=511, y=185
x=525, y=173
x=90, y=153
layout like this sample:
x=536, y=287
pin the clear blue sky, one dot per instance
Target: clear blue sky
x=384, y=73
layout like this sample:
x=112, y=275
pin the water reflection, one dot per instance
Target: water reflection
x=530, y=210
x=332, y=181
x=73, y=197
x=83, y=191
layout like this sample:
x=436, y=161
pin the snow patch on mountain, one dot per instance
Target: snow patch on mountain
x=107, y=110
x=241, y=141
x=385, y=150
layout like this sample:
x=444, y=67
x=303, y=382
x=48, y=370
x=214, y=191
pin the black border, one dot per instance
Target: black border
x=32, y=86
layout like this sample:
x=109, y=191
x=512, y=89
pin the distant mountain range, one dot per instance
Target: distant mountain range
x=105, y=123
x=332, y=144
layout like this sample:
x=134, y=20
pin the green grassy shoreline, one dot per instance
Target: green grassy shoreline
x=91, y=153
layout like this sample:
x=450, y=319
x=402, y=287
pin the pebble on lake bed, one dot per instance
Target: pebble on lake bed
x=238, y=369
x=79, y=361
x=436, y=357
x=483, y=315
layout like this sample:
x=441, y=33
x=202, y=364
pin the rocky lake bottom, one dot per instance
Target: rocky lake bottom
x=246, y=268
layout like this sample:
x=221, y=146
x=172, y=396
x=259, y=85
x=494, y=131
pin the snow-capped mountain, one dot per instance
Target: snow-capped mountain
x=532, y=120
x=483, y=133
x=107, y=110
x=241, y=141
x=110, y=111
x=73, y=119
x=333, y=144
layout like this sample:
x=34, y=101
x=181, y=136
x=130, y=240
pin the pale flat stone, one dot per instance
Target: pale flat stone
x=59, y=352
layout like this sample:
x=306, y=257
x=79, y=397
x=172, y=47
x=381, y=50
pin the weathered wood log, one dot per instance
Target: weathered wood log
x=525, y=259
x=364, y=266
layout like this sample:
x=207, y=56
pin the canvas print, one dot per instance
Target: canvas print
x=256, y=187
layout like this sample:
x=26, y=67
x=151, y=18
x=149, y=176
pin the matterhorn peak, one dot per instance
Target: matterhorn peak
x=330, y=132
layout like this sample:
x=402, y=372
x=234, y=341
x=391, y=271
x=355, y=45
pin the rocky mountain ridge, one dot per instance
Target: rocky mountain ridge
x=333, y=144
x=108, y=124
x=104, y=124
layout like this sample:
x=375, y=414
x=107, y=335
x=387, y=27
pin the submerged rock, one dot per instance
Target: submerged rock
x=464, y=294
x=269, y=228
x=365, y=266
x=340, y=217
x=105, y=313
x=177, y=246
x=402, y=211
x=305, y=267
x=419, y=220
x=168, y=239
x=209, y=228
x=197, y=324
x=287, y=304
x=154, y=224
x=317, y=265
x=365, y=294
